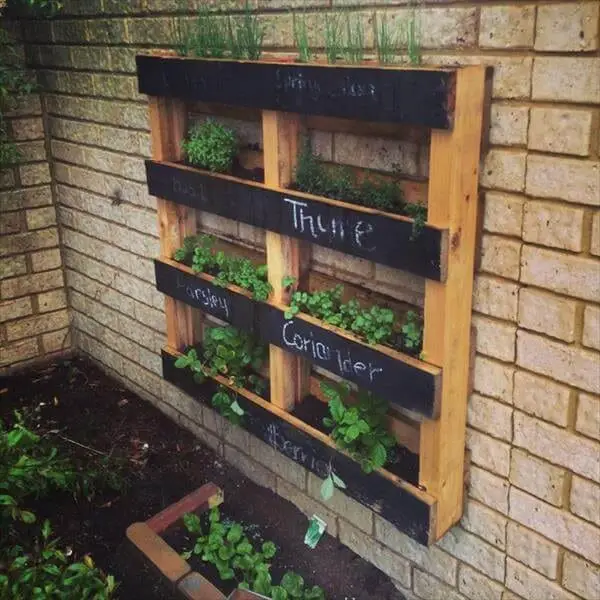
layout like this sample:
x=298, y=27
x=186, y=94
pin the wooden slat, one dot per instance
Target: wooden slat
x=286, y=256
x=453, y=199
x=167, y=129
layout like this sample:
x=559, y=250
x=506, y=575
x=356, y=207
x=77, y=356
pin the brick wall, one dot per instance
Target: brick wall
x=34, y=320
x=531, y=524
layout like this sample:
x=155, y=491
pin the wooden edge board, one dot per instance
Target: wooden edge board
x=401, y=379
x=374, y=235
x=414, y=96
x=406, y=506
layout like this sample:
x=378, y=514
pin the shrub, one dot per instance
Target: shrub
x=211, y=146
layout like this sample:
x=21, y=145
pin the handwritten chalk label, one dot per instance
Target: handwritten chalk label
x=204, y=296
x=340, y=361
x=307, y=219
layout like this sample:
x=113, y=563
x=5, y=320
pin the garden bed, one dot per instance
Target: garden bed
x=87, y=407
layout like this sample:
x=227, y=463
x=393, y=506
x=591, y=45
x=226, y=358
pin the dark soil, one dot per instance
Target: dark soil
x=160, y=462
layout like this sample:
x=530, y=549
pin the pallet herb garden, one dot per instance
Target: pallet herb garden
x=396, y=442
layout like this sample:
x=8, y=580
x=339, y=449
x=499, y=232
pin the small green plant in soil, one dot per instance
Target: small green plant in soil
x=199, y=253
x=224, y=401
x=359, y=429
x=211, y=146
x=334, y=42
x=249, y=35
x=387, y=41
x=301, y=38
x=225, y=545
x=355, y=39
x=314, y=177
x=206, y=38
x=413, y=38
x=412, y=331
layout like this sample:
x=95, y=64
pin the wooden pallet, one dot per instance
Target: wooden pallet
x=448, y=101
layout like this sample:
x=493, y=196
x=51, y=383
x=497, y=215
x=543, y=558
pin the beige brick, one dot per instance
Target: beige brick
x=25, y=198
x=377, y=554
x=488, y=452
x=486, y=523
x=25, y=285
x=560, y=130
x=36, y=325
x=508, y=125
x=503, y=213
x=588, y=416
x=493, y=379
x=54, y=300
x=18, y=351
x=542, y=398
x=14, y=309
x=357, y=514
x=496, y=297
x=585, y=500
x=490, y=416
x=430, y=588
x=580, y=576
x=563, y=273
x=69, y=31
x=504, y=170
x=377, y=153
x=475, y=552
x=537, y=477
x=12, y=266
x=35, y=174
x=495, y=338
x=567, y=27
x=307, y=505
x=27, y=129
x=46, y=260
x=106, y=31
x=507, y=27
x=10, y=223
x=559, y=446
x=568, y=364
x=566, y=79
x=489, y=489
x=570, y=179
x=277, y=462
x=155, y=31
x=533, y=550
x=556, y=524
x=39, y=218
x=56, y=341
x=32, y=151
x=476, y=586
x=595, y=242
x=500, y=256
x=553, y=225
x=433, y=560
x=591, y=327
x=547, y=313
x=532, y=586
x=250, y=468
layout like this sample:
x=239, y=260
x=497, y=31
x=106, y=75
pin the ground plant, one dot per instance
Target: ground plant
x=211, y=145
x=360, y=429
x=340, y=182
x=225, y=545
x=200, y=253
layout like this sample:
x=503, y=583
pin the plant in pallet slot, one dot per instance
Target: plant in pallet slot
x=359, y=429
x=355, y=39
x=301, y=38
x=211, y=146
x=225, y=545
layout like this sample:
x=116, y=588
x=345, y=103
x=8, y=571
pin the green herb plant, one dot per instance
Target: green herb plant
x=413, y=38
x=387, y=41
x=199, y=253
x=334, y=41
x=250, y=34
x=355, y=39
x=301, y=38
x=211, y=146
x=359, y=429
x=412, y=331
x=206, y=38
x=224, y=401
x=225, y=545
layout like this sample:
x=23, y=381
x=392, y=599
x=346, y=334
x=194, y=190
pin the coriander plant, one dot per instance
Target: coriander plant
x=211, y=146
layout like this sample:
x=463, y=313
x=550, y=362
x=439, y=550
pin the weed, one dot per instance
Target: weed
x=211, y=146
x=225, y=545
x=355, y=39
x=334, y=44
x=360, y=429
x=301, y=38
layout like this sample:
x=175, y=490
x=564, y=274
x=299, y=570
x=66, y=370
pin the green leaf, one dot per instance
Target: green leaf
x=327, y=488
x=269, y=550
x=234, y=535
x=27, y=516
x=378, y=455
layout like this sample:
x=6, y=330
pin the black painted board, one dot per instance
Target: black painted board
x=407, y=512
x=413, y=97
x=397, y=382
x=214, y=300
x=372, y=236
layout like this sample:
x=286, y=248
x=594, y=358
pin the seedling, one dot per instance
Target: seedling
x=301, y=38
x=387, y=41
x=211, y=146
x=333, y=38
x=249, y=35
x=206, y=38
x=355, y=39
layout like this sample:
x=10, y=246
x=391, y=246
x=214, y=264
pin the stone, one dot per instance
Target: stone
x=542, y=397
x=12, y=266
x=13, y=353
x=537, y=477
x=488, y=452
x=547, y=313
x=500, y=256
x=532, y=550
x=490, y=416
x=503, y=213
x=507, y=27
x=508, y=125
x=566, y=79
x=486, y=523
x=591, y=327
x=495, y=338
x=496, y=297
x=585, y=500
x=580, y=576
x=46, y=260
x=489, y=489
x=39, y=218
x=493, y=379
x=532, y=586
x=560, y=130
x=504, y=170
x=567, y=27
x=476, y=586
x=15, y=309
x=25, y=285
x=588, y=416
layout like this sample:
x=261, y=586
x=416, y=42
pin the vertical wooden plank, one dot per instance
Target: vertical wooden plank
x=168, y=118
x=289, y=374
x=453, y=199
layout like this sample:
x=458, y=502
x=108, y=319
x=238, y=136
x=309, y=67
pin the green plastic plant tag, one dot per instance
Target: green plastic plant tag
x=315, y=531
